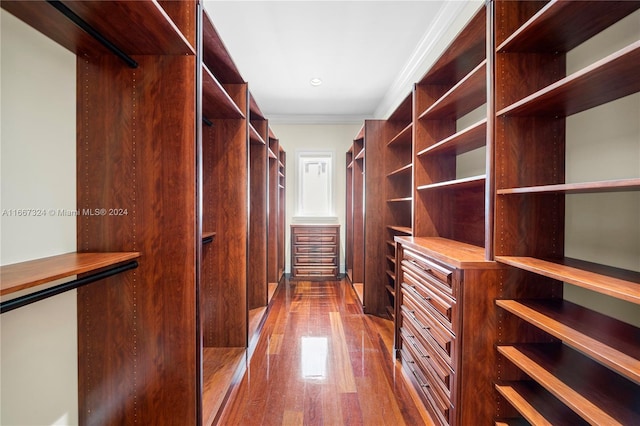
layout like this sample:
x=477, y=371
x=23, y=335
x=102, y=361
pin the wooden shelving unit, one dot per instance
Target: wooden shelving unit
x=366, y=250
x=558, y=360
x=199, y=202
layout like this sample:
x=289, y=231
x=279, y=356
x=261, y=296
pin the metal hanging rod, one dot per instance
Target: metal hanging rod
x=207, y=121
x=27, y=299
x=93, y=32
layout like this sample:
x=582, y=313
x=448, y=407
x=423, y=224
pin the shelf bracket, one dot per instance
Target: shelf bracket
x=92, y=32
x=27, y=299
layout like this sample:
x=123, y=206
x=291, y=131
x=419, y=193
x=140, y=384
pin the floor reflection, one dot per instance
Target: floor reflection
x=313, y=359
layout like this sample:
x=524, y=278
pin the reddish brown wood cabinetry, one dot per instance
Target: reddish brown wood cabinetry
x=314, y=251
x=447, y=327
x=166, y=130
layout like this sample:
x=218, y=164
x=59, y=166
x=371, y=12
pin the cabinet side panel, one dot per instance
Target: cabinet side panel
x=136, y=192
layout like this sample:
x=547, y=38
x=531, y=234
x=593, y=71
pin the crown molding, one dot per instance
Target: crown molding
x=316, y=119
x=449, y=21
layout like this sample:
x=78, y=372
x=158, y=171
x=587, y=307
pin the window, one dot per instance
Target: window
x=315, y=181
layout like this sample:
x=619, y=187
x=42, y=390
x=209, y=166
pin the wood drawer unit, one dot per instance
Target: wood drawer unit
x=446, y=327
x=314, y=251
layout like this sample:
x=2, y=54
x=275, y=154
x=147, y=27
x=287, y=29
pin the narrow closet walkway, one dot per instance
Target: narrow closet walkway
x=321, y=361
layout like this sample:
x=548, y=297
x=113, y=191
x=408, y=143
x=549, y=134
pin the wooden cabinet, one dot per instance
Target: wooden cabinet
x=314, y=251
x=368, y=256
x=561, y=360
x=446, y=327
x=166, y=128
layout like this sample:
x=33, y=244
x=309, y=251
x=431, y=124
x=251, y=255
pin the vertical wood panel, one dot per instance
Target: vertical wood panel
x=136, y=331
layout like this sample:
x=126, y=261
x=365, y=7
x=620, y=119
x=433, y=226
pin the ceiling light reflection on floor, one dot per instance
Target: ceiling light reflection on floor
x=313, y=359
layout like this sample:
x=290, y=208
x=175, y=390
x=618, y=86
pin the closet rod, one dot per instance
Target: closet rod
x=27, y=299
x=92, y=32
x=207, y=240
x=207, y=121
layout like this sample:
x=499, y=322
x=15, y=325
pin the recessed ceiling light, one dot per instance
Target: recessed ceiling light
x=315, y=82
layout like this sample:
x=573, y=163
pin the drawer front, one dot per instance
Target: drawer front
x=309, y=230
x=441, y=305
x=430, y=270
x=314, y=260
x=441, y=408
x=440, y=338
x=440, y=373
x=315, y=250
x=314, y=271
x=315, y=239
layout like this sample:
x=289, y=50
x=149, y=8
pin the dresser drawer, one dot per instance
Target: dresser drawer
x=440, y=407
x=315, y=239
x=314, y=260
x=315, y=250
x=429, y=270
x=441, y=305
x=440, y=373
x=315, y=271
x=441, y=339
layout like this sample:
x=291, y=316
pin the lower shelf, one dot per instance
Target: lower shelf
x=221, y=368
x=537, y=406
x=599, y=397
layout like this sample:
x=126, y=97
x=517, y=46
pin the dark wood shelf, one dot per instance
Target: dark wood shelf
x=390, y=312
x=254, y=137
x=391, y=290
x=467, y=95
x=401, y=229
x=391, y=274
x=135, y=27
x=619, y=283
x=558, y=28
x=604, y=339
x=402, y=138
x=618, y=185
x=220, y=368
x=537, y=406
x=606, y=80
x=462, y=55
x=215, y=54
x=271, y=154
x=24, y=275
x=391, y=259
x=470, y=182
x=600, y=397
x=473, y=137
x=402, y=171
x=216, y=102
x=360, y=155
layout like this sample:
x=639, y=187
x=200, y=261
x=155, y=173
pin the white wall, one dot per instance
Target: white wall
x=38, y=370
x=604, y=143
x=316, y=137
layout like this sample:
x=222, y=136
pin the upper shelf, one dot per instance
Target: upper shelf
x=216, y=56
x=615, y=282
x=618, y=185
x=24, y=275
x=468, y=94
x=606, y=80
x=216, y=102
x=558, y=28
x=135, y=27
x=403, y=138
x=255, y=137
x=473, y=137
x=462, y=55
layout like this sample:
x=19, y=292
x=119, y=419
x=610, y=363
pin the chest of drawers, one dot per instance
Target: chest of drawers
x=446, y=327
x=314, y=251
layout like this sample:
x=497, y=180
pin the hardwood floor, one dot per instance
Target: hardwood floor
x=321, y=361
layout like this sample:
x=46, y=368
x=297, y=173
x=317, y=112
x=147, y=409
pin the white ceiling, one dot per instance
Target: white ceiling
x=367, y=53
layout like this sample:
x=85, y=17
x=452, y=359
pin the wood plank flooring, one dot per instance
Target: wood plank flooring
x=321, y=361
